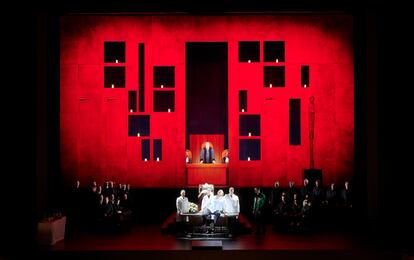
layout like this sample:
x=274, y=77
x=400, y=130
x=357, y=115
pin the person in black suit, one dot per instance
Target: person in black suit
x=275, y=195
x=306, y=189
x=207, y=154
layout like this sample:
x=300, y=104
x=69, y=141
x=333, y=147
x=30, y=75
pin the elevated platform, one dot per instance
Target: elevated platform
x=217, y=174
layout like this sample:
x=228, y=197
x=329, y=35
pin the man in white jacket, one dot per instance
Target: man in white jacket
x=231, y=203
x=232, y=210
x=182, y=205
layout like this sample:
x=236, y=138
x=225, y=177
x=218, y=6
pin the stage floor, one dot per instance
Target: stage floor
x=149, y=237
x=147, y=242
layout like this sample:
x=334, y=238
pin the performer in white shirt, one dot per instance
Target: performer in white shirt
x=231, y=203
x=212, y=205
x=205, y=203
x=232, y=209
x=182, y=205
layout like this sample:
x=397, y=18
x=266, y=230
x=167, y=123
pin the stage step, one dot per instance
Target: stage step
x=207, y=245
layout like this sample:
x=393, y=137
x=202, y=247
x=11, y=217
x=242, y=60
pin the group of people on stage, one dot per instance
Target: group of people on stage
x=300, y=209
x=289, y=209
x=105, y=205
x=212, y=206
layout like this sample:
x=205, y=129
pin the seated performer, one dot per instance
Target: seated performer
x=207, y=154
x=212, y=206
x=203, y=189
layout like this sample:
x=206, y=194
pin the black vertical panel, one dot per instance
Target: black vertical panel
x=141, y=85
x=242, y=100
x=304, y=75
x=157, y=149
x=206, y=89
x=145, y=149
x=294, y=121
x=132, y=101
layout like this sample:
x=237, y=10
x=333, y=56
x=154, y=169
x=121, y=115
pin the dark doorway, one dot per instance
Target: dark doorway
x=206, y=89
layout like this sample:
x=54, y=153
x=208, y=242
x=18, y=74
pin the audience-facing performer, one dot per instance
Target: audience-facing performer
x=331, y=196
x=307, y=212
x=282, y=213
x=213, y=207
x=258, y=210
x=275, y=194
x=207, y=197
x=306, y=189
x=231, y=202
x=182, y=205
x=346, y=196
x=317, y=195
x=290, y=192
x=207, y=154
x=232, y=208
x=295, y=212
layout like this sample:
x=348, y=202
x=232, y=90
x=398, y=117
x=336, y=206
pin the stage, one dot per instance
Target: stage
x=147, y=242
x=150, y=237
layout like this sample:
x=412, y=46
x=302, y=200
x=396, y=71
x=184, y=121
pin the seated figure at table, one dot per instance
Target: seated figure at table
x=212, y=206
x=202, y=191
x=207, y=154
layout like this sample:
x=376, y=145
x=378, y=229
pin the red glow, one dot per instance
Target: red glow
x=94, y=120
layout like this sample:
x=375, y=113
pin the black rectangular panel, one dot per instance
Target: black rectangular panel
x=249, y=149
x=242, y=100
x=145, y=149
x=139, y=124
x=132, y=101
x=141, y=77
x=157, y=149
x=294, y=121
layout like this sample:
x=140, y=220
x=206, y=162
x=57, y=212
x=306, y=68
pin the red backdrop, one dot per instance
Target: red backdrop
x=94, y=121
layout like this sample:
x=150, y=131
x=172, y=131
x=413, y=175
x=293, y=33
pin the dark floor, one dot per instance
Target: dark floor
x=147, y=242
x=149, y=237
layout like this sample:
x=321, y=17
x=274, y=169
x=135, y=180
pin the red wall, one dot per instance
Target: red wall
x=94, y=121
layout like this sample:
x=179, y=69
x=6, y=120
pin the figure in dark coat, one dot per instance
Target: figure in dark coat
x=207, y=154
